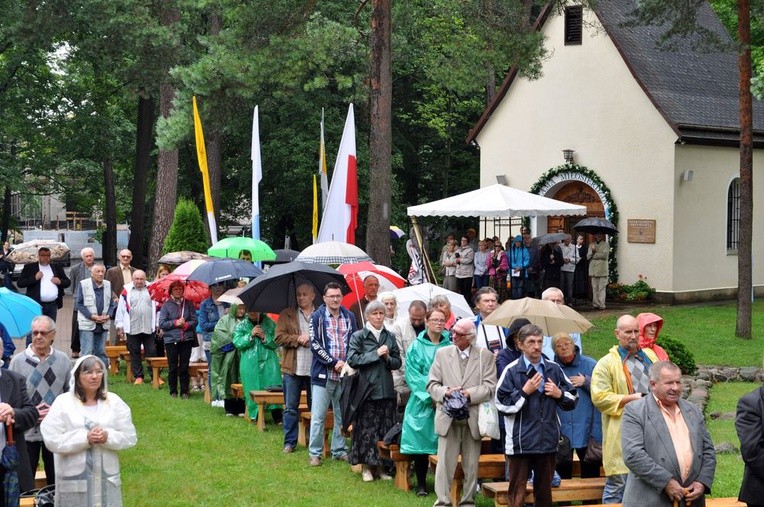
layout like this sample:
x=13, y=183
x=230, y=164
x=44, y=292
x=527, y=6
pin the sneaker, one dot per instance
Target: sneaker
x=367, y=475
x=185, y=396
x=229, y=414
x=315, y=461
x=288, y=449
x=421, y=491
x=385, y=477
x=342, y=457
x=556, y=480
x=217, y=403
x=138, y=381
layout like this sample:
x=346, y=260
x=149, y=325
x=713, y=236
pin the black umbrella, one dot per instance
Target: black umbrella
x=9, y=460
x=283, y=256
x=221, y=270
x=596, y=225
x=275, y=290
x=456, y=406
x=553, y=237
x=354, y=389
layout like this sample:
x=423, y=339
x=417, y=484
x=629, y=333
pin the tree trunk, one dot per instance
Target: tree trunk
x=5, y=223
x=380, y=135
x=167, y=160
x=744, y=260
x=167, y=185
x=143, y=144
x=110, y=215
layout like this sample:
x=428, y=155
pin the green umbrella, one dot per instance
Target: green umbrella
x=230, y=248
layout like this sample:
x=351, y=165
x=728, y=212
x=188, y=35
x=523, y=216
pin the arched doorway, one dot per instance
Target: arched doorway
x=575, y=192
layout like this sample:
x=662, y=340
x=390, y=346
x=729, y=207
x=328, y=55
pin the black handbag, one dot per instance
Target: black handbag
x=564, y=450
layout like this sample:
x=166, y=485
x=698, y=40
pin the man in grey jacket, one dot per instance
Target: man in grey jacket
x=666, y=446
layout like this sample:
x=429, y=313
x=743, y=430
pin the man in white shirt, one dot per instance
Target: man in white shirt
x=45, y=283
x=136, y=320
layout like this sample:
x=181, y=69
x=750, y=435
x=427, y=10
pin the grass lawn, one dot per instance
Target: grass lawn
x=708, y=331
x=189, y=453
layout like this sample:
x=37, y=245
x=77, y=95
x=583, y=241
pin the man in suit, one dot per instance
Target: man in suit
x=749, y=423
x=470, y=370
x=118, y=276
x=666, y=446
x=17, y=409
x=530, y=390
x=45, y=283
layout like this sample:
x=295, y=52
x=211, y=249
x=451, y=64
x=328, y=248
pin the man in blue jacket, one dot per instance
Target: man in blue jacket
x=530, y=390
x=330, y=329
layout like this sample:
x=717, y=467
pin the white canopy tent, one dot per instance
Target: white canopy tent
x=494, y=201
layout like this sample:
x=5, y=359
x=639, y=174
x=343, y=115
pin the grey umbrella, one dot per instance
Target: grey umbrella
x=553, y=237
x=596, y=225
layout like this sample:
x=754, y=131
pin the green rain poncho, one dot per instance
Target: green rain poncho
x=224, y=369
x=418, y=435
x=259, y=364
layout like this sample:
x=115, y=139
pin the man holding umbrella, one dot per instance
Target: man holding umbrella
x=330, y=329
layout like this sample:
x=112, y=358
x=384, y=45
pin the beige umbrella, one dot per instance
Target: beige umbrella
x=26, y=253
x=550, y=317
x=231, y=296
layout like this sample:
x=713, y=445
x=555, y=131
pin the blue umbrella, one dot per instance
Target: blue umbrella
x=9, y=460
x=17, y=312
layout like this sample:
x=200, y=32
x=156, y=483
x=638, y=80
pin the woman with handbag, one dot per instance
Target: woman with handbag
x=373, y=352
x=583, y=425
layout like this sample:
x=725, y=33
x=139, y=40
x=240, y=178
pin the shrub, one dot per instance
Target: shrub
x=638, y=291
x=679, y=354
x=187, y=230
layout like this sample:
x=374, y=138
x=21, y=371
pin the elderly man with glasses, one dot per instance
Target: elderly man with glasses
x=47, y=375
x=470, y=371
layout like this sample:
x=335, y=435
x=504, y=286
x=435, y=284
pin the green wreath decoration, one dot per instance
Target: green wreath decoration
x=575, y=168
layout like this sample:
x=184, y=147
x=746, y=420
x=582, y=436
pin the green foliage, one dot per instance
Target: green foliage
x=187, y=230
x=638, y=291
x=679, y=354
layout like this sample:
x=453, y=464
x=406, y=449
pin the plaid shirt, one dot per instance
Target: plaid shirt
x=338, y=336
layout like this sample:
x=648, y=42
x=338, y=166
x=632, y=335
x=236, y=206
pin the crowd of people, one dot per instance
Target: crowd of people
x=525, y=268
x=426, y=370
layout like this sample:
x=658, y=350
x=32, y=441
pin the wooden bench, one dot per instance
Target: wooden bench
x=157, y=363
x=125, y=356
x=205, y=374
x=402, y=464
x=490, y=466
x=303, y=431
x=237, y=391
x=113, y=352
x=26, y=502
x=264, y=398
x=710, y=502
x=40, y=480
x=570, y=490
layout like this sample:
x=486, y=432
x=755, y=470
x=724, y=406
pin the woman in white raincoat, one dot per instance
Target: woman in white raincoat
x=85, y=428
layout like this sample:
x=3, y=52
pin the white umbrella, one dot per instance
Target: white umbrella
x=231, y=296
x=425, y=292
x=333, y=252
x=26, y=253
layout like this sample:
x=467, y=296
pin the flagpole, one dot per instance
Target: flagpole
x=315, y=209
x=201, y=155
x=322, y=166
x=257, y=175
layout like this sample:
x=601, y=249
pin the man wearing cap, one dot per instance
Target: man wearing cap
x=471, y=370
x=45, y=283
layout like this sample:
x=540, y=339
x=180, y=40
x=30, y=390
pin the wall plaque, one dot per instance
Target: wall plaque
x=640, y=231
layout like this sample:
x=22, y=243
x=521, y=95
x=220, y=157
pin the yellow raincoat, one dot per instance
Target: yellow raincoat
x=608, y=388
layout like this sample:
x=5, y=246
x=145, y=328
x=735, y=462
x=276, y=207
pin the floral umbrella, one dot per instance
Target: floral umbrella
x=26, y=253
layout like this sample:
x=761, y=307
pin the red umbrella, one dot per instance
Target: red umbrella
x=357, y=272
x=195, y=291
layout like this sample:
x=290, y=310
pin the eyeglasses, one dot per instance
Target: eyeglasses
x=333, y=297
x=41, y=333
x=97, y=373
